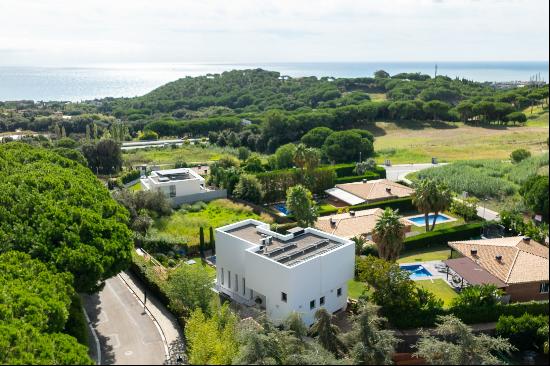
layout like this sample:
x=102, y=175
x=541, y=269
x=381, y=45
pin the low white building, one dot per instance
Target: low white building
x=182, y=185
x=301, y=271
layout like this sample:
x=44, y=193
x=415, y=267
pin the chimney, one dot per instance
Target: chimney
x=527, y=239
x=498, y=257
x=388, y=190
x=352, y=213
x=364, y=181
x=473, y=252
x=332, y=221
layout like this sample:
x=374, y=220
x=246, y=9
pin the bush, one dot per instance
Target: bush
x=467, y=208
x=523, y=331
x=130, y=176
x=443, y=236
x=76, y=323
x=519, y=155
x=357, y=178
x=149, y=135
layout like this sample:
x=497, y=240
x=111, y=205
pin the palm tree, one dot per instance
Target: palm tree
x=326, y=332
x=388, y=234
x=430, y=196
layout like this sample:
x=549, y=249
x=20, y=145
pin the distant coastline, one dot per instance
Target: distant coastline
x=129, y=80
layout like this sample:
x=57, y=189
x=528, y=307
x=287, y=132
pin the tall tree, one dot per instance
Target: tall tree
x=368, y=342
x=301, y=205
x=456, y=344
x=388, y=234
x=326, y=332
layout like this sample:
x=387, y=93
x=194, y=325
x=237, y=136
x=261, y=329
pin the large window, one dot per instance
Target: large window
x=312, y=305
x=229, y=279
x=236, y=282
x=283, y=296
x=172, y=191
x=244, y=286
x=322, y=301
x=223, y=278
x=544, y=287
x=339, y=292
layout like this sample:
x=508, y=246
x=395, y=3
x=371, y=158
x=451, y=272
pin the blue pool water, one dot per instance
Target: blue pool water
x=416, y=271
x=281, y=207
x=420, y=220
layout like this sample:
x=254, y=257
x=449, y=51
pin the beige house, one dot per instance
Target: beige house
x=367, y=192
x=519, y=263
x=351, y=224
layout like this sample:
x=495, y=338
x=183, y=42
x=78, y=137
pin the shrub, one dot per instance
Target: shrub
x=523, y=332
x=519, y=155
x=130, y=176
x=467, y=208
x=402, y=204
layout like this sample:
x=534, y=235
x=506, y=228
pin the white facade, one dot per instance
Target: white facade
x=318, y=278
x=175, y=182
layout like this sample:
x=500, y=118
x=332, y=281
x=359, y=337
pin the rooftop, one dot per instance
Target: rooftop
x=173, y=175
x=372, y=190
x=298, y=246
x=512, y=259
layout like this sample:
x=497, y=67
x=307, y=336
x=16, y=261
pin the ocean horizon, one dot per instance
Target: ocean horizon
x=129, y=80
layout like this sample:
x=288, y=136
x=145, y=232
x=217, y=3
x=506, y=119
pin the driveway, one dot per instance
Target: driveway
x=126, y=334
x=398, y=172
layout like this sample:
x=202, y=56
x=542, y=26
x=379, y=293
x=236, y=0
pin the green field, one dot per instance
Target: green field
x=418, y=142
x=355, y=289
x=184, y=226
x=185, y=153
x=440, y=289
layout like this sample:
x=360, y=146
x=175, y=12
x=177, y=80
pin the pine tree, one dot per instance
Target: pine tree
x=63, y=133
x=88, y=133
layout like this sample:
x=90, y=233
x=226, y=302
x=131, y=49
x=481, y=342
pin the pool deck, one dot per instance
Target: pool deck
x=436, y=268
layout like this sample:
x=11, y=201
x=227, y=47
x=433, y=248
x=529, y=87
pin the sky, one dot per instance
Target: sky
x=83, y=32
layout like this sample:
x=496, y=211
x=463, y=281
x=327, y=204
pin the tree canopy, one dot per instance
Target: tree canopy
x=56, y=210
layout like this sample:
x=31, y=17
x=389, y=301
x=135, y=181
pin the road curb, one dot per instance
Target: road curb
x=157, y=324
x=94, y=334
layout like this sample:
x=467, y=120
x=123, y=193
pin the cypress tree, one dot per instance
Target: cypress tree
x=212, y=241
x=201, y=241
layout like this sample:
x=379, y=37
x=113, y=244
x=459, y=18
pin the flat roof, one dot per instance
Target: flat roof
x=473, y=273
x=288, y=252
x=173, y=175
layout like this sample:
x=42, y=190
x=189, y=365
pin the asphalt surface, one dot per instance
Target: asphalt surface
x=126, y=334
x=398, y=172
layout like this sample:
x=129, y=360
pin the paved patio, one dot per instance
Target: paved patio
x=437, y=269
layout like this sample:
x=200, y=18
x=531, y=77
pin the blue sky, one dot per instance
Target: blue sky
x=69, y=32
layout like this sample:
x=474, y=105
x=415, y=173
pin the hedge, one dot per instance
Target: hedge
x=76, y=322
x=443, y=236
x=130, y=176
x=357, y=178
x=347, y=170
x=473, y=315
x=402, y=204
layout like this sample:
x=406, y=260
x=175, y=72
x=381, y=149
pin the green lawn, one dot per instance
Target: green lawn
x=424, y=255
x=184, y=226
x=185, y=153
x=445, y=225
x=440, y=289
x=136, y=187
x=211, y=271
x=355, y=289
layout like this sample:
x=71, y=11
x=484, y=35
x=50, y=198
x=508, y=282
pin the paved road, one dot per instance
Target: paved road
x=398, y=172
x=127, y=335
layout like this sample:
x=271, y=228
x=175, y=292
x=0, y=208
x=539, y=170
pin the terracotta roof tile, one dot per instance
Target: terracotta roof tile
x=521, y=261
x=376, y=189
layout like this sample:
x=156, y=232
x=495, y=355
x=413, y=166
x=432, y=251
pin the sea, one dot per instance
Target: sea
x=128, y=80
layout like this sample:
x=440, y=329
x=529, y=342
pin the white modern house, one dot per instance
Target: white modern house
x=301, y=271
x=182, y=185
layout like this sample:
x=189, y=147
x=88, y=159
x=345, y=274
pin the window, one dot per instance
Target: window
x=283, y=297
x=339, y=292
x=322, y=301
x=544, y=287
x=172, y=191
x=312, y=305
x=244, y=287
x=229, y=279
x=251, y=294
x=223, y=277
x=236, y=282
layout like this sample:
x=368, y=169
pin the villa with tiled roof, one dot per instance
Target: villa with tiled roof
x=368, y=191
x=520, y=263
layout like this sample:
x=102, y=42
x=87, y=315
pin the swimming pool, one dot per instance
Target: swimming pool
x=281, y=207
x=421, y=221
x=416, y=271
